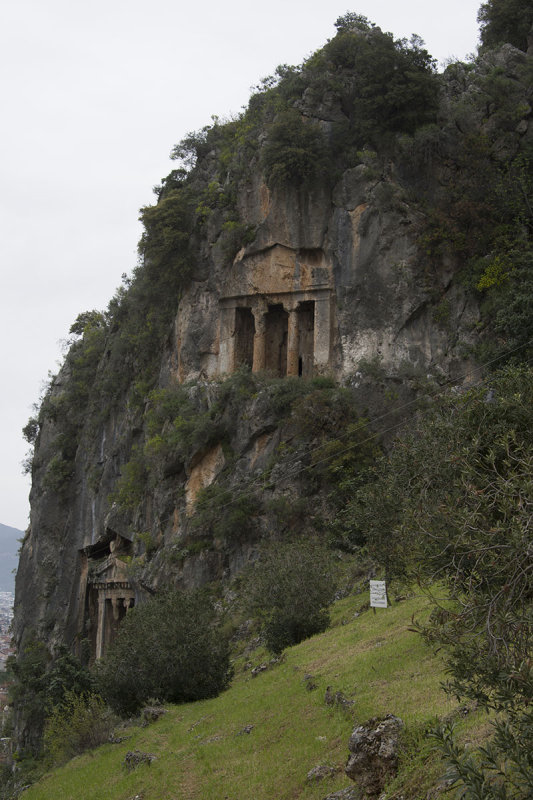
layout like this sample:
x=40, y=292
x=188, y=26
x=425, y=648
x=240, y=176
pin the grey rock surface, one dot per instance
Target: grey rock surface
x=374, y=754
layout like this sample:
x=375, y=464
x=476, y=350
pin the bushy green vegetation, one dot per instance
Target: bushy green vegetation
x=379, y=86
x=453, y=502
x=289, y=589
x=78, y=723
x=171, y=648
x=185, y=420
x=295, y=153
x=66, y=398
x=385, y=86
x=504, y=21
x=39, y=684
x=480, y=213
x=222, y=513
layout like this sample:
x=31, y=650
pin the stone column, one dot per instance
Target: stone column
x=115, y=601
x=322, y=337
x=259, y=340
x=292, y=343
x=101, y=625
x=226, y=341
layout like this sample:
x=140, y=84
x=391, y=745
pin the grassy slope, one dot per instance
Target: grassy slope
x=202, y=754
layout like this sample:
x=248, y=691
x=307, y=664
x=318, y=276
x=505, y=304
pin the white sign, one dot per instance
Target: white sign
x=378, y=594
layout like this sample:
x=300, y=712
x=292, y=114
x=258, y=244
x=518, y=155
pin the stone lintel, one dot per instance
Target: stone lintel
x=288, y=300
x=111, y=585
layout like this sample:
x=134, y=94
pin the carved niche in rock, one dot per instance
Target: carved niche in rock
x=276, y=314
x=108, y=592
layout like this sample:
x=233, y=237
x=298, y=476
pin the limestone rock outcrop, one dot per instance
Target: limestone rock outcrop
x=374, y=754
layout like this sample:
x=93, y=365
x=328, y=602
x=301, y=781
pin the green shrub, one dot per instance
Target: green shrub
x=39, y=684
x=79, y=723
x=58, y=473
x=181, y=421
x=170, y=648
x=289, y=590
x=235, y=235
x=503, y=21
x=295, y=152
x=225, y=513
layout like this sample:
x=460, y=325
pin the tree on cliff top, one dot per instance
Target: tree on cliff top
x=505, y=21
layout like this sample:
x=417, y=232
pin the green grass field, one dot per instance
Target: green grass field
x=203, y=753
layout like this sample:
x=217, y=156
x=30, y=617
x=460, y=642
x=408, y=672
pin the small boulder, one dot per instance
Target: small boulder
x=374, y=753
x=114, y=739
x=134, y=758
x=246, y=729
x=344, y=794
x=342, y=701
x=152, y=713
x=310, y=684
x=320, y=772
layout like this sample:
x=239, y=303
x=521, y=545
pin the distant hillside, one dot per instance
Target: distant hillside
x=9, y=545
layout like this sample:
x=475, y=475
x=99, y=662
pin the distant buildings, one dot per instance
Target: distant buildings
x=6, y=615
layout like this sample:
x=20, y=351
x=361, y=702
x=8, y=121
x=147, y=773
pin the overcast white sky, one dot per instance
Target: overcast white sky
x=93, y=97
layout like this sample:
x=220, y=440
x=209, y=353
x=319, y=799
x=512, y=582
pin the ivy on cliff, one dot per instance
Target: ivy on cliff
x=142, y=310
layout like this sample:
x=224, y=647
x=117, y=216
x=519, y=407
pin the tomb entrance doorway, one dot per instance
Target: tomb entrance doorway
x=244, y=337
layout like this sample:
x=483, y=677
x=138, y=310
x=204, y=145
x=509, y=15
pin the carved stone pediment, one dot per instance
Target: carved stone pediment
x=109, y=570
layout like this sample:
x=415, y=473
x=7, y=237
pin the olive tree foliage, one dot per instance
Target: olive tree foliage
x=80, y=722
x=38, y=685
x=289, y=590
x=453, y=503
x=505, y=21
x=171, y=648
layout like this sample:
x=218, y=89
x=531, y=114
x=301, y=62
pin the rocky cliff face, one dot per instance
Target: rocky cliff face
x=352, y=254
x=332, y=306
